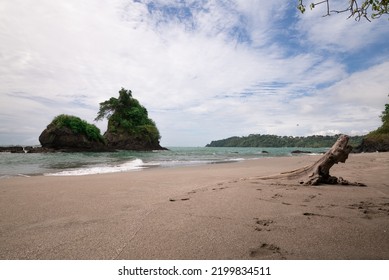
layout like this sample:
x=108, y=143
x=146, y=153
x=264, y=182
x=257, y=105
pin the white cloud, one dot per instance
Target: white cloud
x=204, y=69
x=369, y=87
x=352, y=105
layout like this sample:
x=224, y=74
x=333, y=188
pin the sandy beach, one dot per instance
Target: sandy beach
x=215, y=211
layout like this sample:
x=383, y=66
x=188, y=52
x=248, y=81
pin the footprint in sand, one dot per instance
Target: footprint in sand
x=221, y=188
x=292, y=189
x=263, y=225
x=254, y=182
x=309, y=198
x=328, y=206
x=184, y=197
x=265, y=250
x=308, y=214
x=178, y=199
x=369, y=208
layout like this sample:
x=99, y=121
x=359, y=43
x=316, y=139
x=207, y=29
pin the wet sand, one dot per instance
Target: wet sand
x=217, y=211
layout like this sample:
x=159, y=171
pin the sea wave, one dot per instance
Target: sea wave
x=176, y=163
x=136, y=164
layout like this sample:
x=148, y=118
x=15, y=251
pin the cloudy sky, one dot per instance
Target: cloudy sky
x=205, y=70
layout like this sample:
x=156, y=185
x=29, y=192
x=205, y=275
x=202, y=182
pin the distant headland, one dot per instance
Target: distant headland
x=275, y=141
x=375, y=141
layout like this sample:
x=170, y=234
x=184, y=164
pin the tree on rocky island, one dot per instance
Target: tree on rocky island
x=368, y=9
x=129, y=126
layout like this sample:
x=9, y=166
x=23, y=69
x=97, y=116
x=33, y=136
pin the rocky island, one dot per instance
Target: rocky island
x=71, y=134
x=129, y=128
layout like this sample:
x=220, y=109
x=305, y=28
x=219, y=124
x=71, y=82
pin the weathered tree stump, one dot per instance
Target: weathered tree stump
x=319, y=172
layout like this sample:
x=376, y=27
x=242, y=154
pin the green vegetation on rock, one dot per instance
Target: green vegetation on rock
x=78, y=126
x=128, y=122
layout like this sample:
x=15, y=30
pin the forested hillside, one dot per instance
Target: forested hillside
x=258, y=140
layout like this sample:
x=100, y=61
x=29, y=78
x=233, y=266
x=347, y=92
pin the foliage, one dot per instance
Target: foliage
x=385, y=115
x=258, y=140
x=149, y=133
x=126, y=115
x=78, y=126
x=357, y=9
x=383, y=130
x=378, y=140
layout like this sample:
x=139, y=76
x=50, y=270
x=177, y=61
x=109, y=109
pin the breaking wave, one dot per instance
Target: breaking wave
x=136, y=164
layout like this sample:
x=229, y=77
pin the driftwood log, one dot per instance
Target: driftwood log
x=319, y=172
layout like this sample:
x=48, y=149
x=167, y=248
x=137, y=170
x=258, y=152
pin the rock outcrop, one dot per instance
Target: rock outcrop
x=12, y=149
x=25, y=150
x=64, y=139
x=374, y=144
x=55, y=138
x=126, y=141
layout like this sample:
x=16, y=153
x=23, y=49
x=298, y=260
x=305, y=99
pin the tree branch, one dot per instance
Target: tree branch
x=377, y=8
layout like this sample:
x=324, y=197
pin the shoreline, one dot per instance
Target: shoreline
x=122, y=161
x=213, y=211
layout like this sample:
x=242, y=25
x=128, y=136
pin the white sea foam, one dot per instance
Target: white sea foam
x=23, y=175
x=235, y=159
x=175, y=163
x=136, y=164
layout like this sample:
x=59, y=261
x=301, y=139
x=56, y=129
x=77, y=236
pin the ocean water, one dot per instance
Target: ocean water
x=77, y=164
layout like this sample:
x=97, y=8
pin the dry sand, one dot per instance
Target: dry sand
x=218, y=211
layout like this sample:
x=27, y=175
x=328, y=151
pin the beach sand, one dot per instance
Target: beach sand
x=216, y=211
